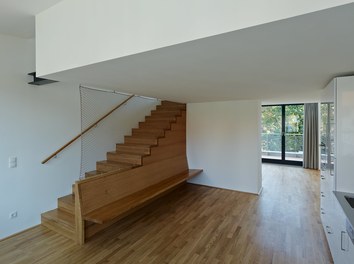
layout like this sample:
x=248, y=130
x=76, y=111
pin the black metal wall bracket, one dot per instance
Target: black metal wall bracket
x=39, y=81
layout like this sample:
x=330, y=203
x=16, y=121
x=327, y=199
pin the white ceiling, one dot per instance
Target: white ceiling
x=17, y=17
x=289, y=60
x=284, y=61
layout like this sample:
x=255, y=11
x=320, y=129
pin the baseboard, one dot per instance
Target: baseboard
x=18, y=233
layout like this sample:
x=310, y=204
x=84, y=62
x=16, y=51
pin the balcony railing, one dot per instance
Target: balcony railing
x=271, y=146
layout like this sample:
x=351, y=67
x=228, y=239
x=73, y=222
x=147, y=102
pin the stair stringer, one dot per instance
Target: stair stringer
x=173, y=144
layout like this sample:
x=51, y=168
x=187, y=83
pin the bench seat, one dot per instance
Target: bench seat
x=122, y=206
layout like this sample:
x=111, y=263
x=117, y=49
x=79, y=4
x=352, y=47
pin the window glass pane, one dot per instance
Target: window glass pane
x=271, y=132
x=294, y=128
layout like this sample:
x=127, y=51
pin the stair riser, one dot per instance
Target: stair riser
x=130, y=159
x=170, y=107
x=160, y=118
x=133, y=149
x=162, y=113
x=168, y=103
x=156, y=133
x=107, y=167
x=56, y=227
x=60, y=222
x=144, y=141
x=66, y=207
x=162, y=125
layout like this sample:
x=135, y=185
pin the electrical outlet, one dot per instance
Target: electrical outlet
x=13, y=215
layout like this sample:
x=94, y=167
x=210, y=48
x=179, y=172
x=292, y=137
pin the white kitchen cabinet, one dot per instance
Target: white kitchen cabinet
x=337, y=159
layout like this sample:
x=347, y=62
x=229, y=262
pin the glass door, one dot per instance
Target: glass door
x=282, y=134
x=272, y=132
x=327, y=138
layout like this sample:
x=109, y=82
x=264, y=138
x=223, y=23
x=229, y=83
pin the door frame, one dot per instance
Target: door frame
x=283, y=160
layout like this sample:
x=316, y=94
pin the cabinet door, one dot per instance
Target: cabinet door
x=345, y=132
x=342, y=247
x=350, y=254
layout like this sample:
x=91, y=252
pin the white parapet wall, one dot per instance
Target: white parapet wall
x=76, y=33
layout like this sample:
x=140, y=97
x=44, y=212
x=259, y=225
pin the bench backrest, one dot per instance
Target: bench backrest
x=166, y=160
x=102, y=190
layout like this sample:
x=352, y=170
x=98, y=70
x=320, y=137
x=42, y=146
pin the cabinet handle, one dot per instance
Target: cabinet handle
x=328, y=230
x=341, y=241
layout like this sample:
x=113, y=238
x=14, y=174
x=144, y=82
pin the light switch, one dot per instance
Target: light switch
x=12, y=162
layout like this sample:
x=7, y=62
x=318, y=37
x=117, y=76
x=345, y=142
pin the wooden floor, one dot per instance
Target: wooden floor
x=197, y=224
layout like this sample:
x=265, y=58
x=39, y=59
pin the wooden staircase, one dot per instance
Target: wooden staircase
x=162, y=135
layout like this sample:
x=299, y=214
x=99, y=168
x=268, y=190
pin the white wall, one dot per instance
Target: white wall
x=75, y=33
x=35, y=121
x=223, y=138
x=103, y=138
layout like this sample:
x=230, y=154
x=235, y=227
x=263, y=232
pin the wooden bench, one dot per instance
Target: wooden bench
x=120, y=193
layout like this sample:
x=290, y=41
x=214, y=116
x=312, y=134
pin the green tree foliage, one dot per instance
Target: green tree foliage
x=271, y=128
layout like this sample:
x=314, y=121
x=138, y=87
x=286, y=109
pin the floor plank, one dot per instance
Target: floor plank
x=198, y=224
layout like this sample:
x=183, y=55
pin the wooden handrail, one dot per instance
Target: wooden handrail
x=86, y=130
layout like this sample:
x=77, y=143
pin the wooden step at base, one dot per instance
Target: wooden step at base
x=134, y=159
x=153, y=141
x=106, y=165
x=67, y=203
x=60, y=222
x=93, y=173
x=134, y=148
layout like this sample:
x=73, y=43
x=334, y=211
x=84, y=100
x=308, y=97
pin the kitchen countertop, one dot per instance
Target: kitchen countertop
x=348, y=210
